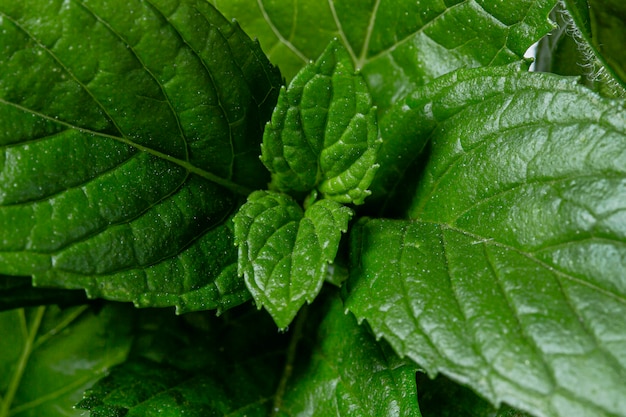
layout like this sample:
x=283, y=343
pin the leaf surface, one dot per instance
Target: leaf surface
x=397, y=45
x=130, y=131
x=284, y=251
x=323, y=133
x=49, y=356
x=510, y=275
x=348, y=373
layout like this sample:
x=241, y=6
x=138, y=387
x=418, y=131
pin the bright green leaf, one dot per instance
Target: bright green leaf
x=49, y=356
x=284, y=252
x=510, y=277
x=130, y=132
x=349, y=373
x=397, y=45
x=323, y=133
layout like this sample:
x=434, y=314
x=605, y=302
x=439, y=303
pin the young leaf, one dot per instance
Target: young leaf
x=130, y=132
x=49, y=356
x=397, y=44
x=510, y=277
x=283, y=252
x=323, y=132
x=348, y=373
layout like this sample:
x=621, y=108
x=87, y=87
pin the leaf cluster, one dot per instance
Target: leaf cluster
x=311, y=208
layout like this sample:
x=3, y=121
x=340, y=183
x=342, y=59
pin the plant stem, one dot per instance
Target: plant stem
x=31, y=333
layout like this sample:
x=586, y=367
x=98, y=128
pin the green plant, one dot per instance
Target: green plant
x=441, y=209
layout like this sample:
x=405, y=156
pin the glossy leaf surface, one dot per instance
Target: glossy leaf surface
x=510, y=277
x=323, y=133
x=397, y=45
x=130, y=131
x=284, y=251
x=49, y=356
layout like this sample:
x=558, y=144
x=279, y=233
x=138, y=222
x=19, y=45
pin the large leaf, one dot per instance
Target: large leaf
x=323, y=133
x=49, y=356
x=195, y=365
x=510, y=277
x=344, y=371
x=284, y=251
x=130, y=131
x=396, y=44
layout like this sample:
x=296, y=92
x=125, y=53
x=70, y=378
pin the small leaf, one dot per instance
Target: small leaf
x=323, y=132
x=283, y=252
x=130, y=133
x=510, y=276
x=349, y=373
x=49, y=356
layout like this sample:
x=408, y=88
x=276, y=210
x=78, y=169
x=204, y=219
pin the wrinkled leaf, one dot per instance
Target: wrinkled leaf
x=323, y=133
x=510, y=277
x=49, y=356
x=397, y=45
x=130, y=132
x=284, y=252
x=348, y=373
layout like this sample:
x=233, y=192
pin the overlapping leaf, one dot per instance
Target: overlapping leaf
x=397, y=44
x=349, y=373
x=510, y=277
x=284, y=252
x=129, y=132
x=323, y=133
x=50, y=356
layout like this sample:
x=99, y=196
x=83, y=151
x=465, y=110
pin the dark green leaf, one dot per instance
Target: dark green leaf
x=17, y=292
x=130, y=132
x=397, y=45
x=195, y=365
x=348, y=373
x=323, y=132
x=49, y=356
x=284, y=252
x=510, y=278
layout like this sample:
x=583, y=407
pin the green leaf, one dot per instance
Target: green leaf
x=284, y=252
x=510, y=277
x=49, y=356
x=397, y=45
x=195, y=365
x=323, y=133
x=347, y=373
x=130, y=133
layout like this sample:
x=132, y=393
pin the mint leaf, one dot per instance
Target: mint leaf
x=509, y=278
x=131, y=134
x=50, y=356
x=284, y=252
x=323, y=133
x=348, y=373
x=397, y=45
x=196, y=365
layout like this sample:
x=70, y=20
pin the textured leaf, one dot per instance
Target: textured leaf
x=510, y=278
x=48, y=356
x=323, y=133
x=130, y=130
x=284, y=252
x=215, y=366
x=397, y=44
x=349, y=374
